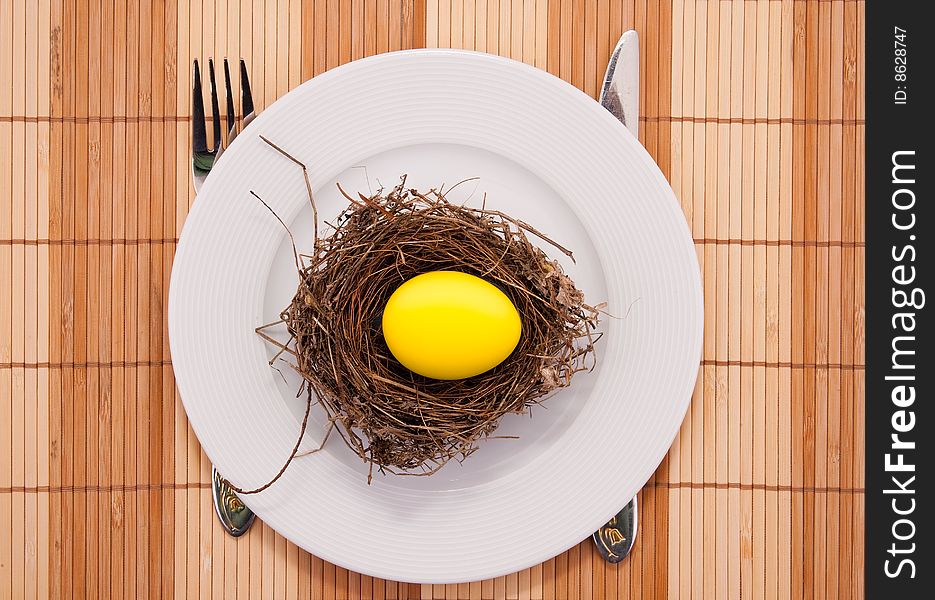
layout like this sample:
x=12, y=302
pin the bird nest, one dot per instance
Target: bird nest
x=395, y=420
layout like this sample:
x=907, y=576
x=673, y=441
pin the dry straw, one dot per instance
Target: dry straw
x=396, y=420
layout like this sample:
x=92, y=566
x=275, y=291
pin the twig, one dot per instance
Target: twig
x=295, y=449
x=308, y=185
x=295, y=253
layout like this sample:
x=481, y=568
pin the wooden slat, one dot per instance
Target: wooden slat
x=767, y=383
x=6, y=309
x=754, y=112
x=14, y=467
x=676, y=454
x=697, y=178
x=43, y=79
x=31, y=302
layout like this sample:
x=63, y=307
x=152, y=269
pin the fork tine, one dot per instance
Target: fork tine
x=230, y=100
x=199, y=135
x=246, y=98
x=215, y=111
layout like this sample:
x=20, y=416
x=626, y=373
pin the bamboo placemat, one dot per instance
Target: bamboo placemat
x=754, y=111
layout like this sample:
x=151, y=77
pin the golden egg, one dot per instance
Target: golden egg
x=450, y=325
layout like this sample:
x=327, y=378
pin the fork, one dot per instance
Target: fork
x=230, y=509
x=204, y=159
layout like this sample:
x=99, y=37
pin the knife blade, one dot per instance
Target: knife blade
x=620, y=93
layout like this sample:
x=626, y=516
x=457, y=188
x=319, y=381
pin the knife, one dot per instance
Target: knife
x=620, y=94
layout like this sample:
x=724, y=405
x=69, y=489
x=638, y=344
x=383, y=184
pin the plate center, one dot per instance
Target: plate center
x=510, y=188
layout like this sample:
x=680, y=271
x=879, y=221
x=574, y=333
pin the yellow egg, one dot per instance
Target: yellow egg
x=450, y=325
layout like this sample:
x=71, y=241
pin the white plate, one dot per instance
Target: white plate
x=544, y=152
